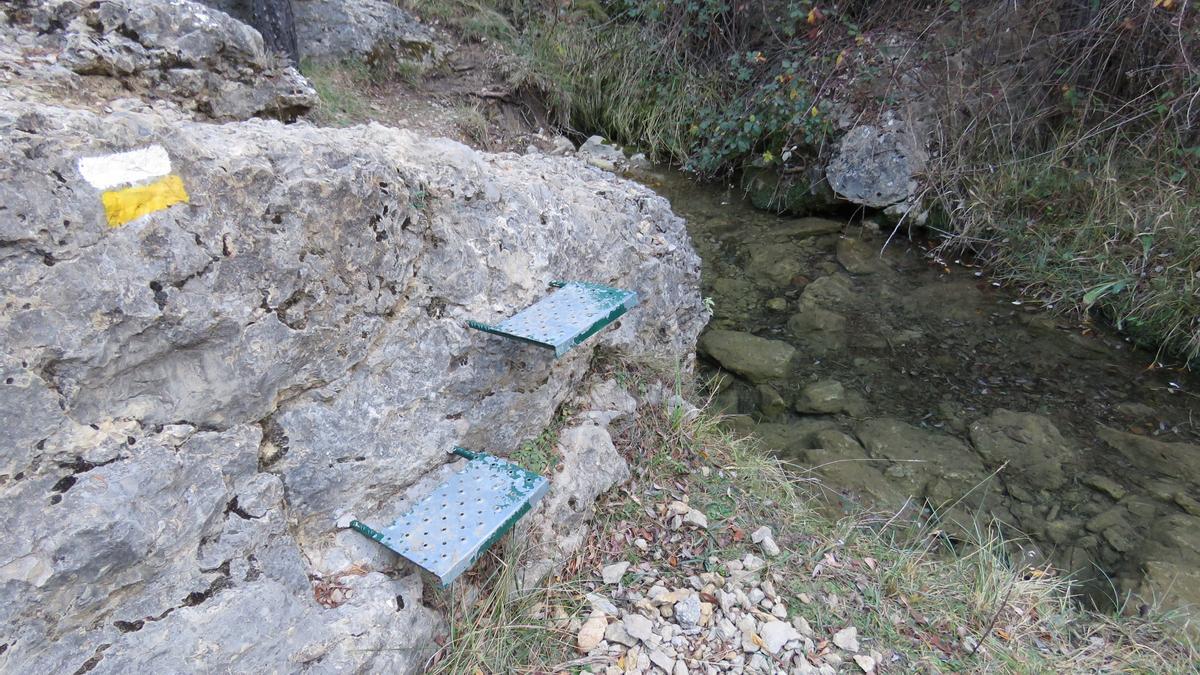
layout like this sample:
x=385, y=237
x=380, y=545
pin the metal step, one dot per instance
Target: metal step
x=447, y=531
x=566, y=317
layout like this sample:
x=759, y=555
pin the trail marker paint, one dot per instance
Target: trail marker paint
x=122, y=206
x=123, y=168
x=147, y=173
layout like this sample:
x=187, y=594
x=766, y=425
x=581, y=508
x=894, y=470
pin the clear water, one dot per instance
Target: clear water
x=936, y=346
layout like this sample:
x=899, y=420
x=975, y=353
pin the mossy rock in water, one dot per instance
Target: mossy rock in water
x=798, y=193
x=754, y=358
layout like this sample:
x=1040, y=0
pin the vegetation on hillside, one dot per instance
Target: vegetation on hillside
x=1065, y=136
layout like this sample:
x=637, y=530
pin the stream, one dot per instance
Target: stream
x=901, y=376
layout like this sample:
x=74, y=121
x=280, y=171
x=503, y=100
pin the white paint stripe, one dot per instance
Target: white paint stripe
x=122, y=168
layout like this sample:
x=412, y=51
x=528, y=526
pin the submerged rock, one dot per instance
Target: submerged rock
x=859, y=257
x=829, y=397
x=819, y=330
x=925, y=463
x=1177, y=460
x=799, y=193
x=828, y=292
x=1031, y=445
x=754, y=358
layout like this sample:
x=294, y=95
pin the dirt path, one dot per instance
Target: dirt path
x=469, y=97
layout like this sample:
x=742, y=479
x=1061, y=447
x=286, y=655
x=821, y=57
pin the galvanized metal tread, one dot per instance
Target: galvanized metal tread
x=566, y=317
x=447, y=531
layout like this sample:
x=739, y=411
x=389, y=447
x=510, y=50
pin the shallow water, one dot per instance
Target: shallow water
x=926, y=352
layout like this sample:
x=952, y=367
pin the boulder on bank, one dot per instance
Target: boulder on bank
x=194, y=398
x=372, y=31
x=754, y=358
x=195, y=55
x=876, y=166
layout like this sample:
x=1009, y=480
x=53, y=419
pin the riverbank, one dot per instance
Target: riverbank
x=718, y=557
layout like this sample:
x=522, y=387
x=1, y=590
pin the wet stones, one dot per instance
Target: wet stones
x=828, y=397
x=1178, y=460
x=1030, y=444
x=859, y=257
x=770, y=402
x=819, y=330
x=754, y=358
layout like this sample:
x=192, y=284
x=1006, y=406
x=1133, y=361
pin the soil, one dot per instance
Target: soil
x=468, y=97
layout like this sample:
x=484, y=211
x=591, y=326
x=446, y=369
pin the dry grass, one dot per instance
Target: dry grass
x=1077, y=175
x=927, y=605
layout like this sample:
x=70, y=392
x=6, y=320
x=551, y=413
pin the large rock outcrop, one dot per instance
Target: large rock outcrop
x=192, y=400
x=374, y=31
x=198, y=58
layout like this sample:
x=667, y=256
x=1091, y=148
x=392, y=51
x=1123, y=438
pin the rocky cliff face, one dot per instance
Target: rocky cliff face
x=194, y=398
x=174, y=54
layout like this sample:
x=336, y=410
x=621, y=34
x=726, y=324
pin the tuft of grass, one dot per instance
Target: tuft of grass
x=978, y=605
x=339, y=86
x=505, y=630
x=473, y=124
x=1104, y=225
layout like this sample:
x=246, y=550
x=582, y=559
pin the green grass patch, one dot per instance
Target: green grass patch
x=1098, y=225
x=340, y=88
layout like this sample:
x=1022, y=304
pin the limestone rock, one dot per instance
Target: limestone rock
x=201, y=393
x=601, y=154
x=766, y=541
x=612, y=574
x=847, y=638
x=775, y=634
x=755, y=358
x=638, y=626
x=374, y=31
x=687, y=611
x=591, y=633
x=876, y=166
x=590, y=466
x=185, y=51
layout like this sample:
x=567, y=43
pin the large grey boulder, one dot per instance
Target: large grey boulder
x=179, y=49
x=374, y=31
x=876, y=166
x=193, y=400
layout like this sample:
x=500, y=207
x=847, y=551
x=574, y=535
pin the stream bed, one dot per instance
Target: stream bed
x=901, y=379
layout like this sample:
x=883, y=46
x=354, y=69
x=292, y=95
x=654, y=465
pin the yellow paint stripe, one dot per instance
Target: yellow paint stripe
x=122, y=206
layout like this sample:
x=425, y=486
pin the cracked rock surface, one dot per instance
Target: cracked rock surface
x=194, y=399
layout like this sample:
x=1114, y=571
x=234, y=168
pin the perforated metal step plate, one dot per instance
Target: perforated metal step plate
x=566, y=317
x=447, y=531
